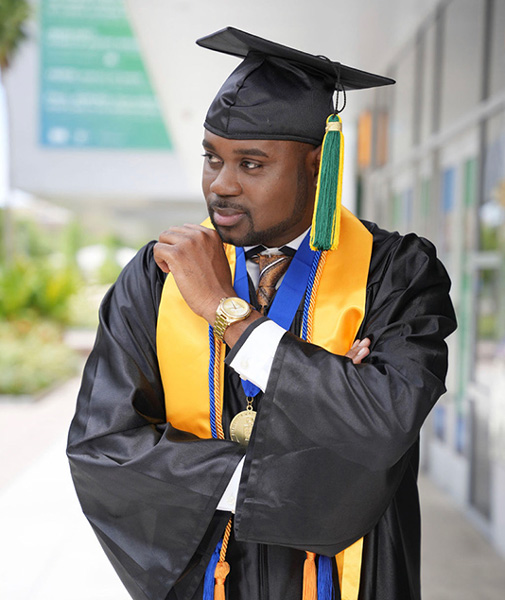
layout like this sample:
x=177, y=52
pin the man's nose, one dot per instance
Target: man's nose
x=226, y=183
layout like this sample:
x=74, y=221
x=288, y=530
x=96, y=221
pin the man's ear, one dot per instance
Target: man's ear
x=316, y=162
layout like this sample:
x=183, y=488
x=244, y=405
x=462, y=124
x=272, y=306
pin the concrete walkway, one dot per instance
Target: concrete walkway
x=48, y=551
x=458, y=562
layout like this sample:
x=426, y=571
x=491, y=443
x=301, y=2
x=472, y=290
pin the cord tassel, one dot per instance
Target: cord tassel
x=208, y=582
x=309, y=577
x=325, y=589
x=222, y=570
x=325, y=231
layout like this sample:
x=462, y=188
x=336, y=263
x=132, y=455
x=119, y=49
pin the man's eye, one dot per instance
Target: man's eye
x=250, y=165
x=211, y=159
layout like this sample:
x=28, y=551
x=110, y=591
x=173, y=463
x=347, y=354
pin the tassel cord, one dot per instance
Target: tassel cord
x=212, y=377
x=325, y=589
x=311, y=294
x=217, y=569
x=217, y=391
x=309, y=577
x=208, y=582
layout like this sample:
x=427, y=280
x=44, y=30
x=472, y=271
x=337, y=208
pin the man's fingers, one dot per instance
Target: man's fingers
x=178, y=232
x=172, y=235
x=364, y=343
x=359, y=350
x=362, y=354
x=159, y=251
x=198, y=227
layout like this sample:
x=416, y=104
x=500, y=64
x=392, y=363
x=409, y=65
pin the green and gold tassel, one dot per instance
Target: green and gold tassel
x=326, y=220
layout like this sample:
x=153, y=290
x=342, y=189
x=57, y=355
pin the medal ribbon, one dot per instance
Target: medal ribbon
x=288, y=296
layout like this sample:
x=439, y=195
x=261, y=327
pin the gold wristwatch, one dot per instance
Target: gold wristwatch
x=230, y=310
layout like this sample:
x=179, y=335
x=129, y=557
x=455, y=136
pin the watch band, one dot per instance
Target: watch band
x=225, y=318
x=220, y=326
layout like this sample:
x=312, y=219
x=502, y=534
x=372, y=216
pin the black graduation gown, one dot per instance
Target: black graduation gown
x=333, y=455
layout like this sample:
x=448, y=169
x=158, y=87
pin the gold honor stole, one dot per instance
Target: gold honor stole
x=183, y=347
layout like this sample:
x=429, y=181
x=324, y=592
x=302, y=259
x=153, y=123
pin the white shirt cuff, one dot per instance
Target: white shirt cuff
x=254, y=359
x=228, y=501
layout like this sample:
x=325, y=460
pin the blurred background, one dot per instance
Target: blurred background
x=101, y=112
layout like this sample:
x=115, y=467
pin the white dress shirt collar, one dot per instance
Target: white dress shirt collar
x=295, y=244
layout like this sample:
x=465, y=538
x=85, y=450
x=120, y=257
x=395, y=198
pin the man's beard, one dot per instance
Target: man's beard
x=266, y=236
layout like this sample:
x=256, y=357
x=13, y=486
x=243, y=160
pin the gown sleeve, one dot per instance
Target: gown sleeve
x=332, y=440
x=149, y=491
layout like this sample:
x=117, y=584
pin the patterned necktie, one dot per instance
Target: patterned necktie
x=272, y=268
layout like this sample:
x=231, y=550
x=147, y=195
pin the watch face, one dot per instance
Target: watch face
x=236, y=307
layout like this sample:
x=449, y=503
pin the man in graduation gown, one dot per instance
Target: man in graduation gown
x=331, y=465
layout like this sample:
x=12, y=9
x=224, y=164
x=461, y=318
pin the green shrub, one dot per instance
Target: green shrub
x=109, y=270
x=33, y=287
x=16, y=289
x=33, y=357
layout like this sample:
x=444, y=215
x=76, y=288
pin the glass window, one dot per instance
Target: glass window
x=425, y=193
x=497, y=69
x=403, y=113
x=466, y=283
x=384, y=102
x=447, y=216
x=365, y=139
x=403, y=204
x=381, y=151
x=397, y=211
x=426, y=200
x=491, y=281
x=378, y=207
x=456, y=220
x=427, y=81
x=462, y=55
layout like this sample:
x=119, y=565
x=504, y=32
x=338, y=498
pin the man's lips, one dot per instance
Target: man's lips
x=227, y=217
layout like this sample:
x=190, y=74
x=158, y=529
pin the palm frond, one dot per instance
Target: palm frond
x=14, y=15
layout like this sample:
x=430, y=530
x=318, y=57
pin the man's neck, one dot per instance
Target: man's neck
x=295, y=244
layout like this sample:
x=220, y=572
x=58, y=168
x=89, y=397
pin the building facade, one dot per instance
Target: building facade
x=431, y=159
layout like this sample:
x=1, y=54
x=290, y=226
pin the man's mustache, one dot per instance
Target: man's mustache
x=227, y=205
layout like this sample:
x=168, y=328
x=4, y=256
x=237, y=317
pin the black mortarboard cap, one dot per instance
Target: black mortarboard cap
x=277, y=92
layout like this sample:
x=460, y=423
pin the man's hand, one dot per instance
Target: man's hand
x=196, y=258
x=359, y=350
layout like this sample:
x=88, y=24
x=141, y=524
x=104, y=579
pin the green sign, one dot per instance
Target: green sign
x=94, y=90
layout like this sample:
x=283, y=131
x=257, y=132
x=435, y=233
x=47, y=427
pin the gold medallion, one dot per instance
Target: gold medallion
x=242, y=425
